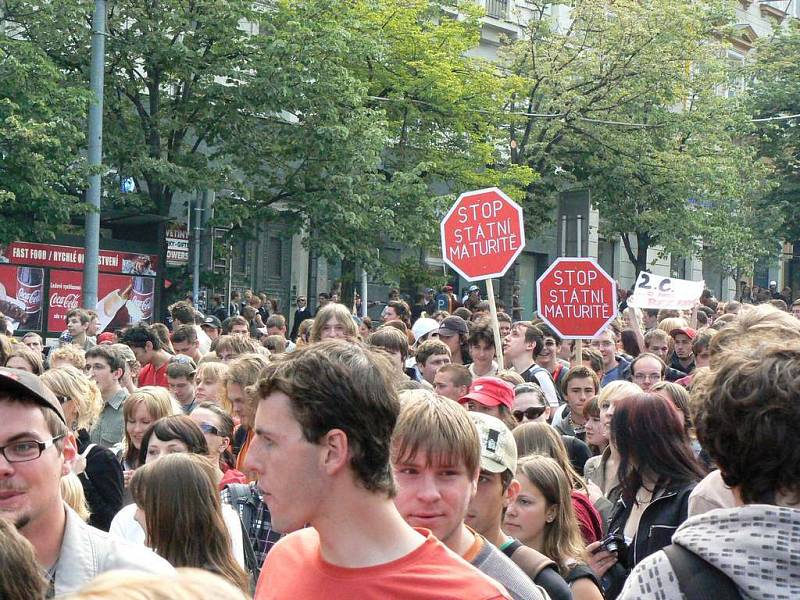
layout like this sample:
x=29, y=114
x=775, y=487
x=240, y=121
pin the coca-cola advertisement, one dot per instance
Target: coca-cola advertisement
x=21, y=292
x=120, y=299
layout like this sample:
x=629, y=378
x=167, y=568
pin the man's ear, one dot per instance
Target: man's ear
x=148, y=346
x=511, y=493
x=335, y=451
x=118, y=373
x=70, y=453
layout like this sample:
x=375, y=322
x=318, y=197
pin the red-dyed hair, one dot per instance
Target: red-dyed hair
x=650, y=437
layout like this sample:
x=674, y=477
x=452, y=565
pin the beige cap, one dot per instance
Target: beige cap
x=498, y=448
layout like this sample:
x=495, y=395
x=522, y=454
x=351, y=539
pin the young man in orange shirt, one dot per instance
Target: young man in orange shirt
x=323, y=425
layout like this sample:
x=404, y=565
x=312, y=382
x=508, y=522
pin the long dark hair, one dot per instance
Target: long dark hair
x=176, y=427
x=650, y=438
x=183, y=515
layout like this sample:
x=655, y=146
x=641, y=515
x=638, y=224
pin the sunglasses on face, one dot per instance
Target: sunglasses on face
x=209, y=428
x=530, y=413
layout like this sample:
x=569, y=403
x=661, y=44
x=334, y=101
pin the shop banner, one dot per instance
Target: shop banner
x=72, y=257
x=177, y=244
x=122, y=300
x=21, y=294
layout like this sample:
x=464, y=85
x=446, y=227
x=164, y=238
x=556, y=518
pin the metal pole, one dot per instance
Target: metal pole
x=579, y=253
x=563, y=235
x=198, y=229
x=364, y=286
x=95, y=156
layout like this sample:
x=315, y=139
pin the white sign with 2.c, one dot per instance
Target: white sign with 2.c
x=654, y=291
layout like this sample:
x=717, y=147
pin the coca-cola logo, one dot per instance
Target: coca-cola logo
x=32, y=298
x=68, y=301
x=145, y=304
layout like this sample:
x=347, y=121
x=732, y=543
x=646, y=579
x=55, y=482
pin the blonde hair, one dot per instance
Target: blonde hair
x=752, y=331
x=302, y=330
x=562, y=537
x=615, y=390
x=69, y=353
x=245, y=372
x=68, y=382
x=159, y=404
x=34, y=359
x=72, y=493
x=437, y=426
x=510, y=376
x=184, y=584
x=215, y=373
x=671, y=323
x=333, y=311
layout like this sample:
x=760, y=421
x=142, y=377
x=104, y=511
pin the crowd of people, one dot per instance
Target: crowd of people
x=232, y=457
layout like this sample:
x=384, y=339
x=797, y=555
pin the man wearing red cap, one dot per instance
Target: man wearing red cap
x=492, y=396
x=682, y=355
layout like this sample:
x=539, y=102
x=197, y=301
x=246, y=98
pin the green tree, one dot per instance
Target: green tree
x=774, y=92
x=41, y=122
x=624, y=100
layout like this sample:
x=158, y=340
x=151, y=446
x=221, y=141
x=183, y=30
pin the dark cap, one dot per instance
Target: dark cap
x=22, y=383
x=212, y=321
x=429, y=290
x=453, y=326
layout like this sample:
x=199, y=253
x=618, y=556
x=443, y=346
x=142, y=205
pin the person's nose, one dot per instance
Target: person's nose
x=428, y=491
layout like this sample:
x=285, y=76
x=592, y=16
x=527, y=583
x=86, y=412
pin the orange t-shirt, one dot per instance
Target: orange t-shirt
x=294, y=569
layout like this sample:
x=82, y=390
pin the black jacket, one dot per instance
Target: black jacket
x=659, y=521
x=102, y=482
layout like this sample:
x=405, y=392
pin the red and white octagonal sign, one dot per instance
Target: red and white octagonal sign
x=482, y=234
x=576, y=298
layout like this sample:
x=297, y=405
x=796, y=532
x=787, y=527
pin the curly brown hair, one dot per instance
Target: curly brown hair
x=747, y=413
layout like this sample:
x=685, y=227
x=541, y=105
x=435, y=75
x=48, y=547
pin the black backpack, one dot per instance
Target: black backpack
x=699, y=579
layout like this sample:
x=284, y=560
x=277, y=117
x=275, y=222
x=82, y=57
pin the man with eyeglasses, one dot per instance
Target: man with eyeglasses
x=36, y=450
x=647, y=370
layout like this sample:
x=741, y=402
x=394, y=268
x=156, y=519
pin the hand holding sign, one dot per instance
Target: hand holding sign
x=654, y=291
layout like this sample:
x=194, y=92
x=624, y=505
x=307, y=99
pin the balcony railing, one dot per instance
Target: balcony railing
x=497, y=9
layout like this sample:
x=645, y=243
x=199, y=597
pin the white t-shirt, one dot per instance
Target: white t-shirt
x=124, y=526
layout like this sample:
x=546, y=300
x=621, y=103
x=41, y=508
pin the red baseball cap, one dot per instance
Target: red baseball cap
x=687, y=331
x=490, y=391
x=105, y=338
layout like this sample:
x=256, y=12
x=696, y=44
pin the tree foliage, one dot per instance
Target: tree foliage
x=655, y=66
x=774, y=92
x=41, y=122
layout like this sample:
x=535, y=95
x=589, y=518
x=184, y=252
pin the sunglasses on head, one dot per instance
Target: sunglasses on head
x=530, y=413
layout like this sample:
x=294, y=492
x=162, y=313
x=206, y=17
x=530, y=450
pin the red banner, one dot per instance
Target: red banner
x=72, y=257
x=121, y=299
x=21, y=291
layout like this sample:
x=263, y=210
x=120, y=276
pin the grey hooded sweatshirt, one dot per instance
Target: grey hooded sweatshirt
x=757, y=546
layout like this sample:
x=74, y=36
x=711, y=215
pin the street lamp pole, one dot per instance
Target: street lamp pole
x=95, y=155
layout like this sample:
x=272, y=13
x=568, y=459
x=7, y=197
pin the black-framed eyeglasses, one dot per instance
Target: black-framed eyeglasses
x=209, y=428
x=62, y=400
x=530, y=413
x=27, y=450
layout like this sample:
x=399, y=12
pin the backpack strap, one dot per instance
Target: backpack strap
x=241, y=494
x=529, y=560
x=699, y=579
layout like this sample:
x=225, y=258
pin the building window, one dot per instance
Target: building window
x=497, y=9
